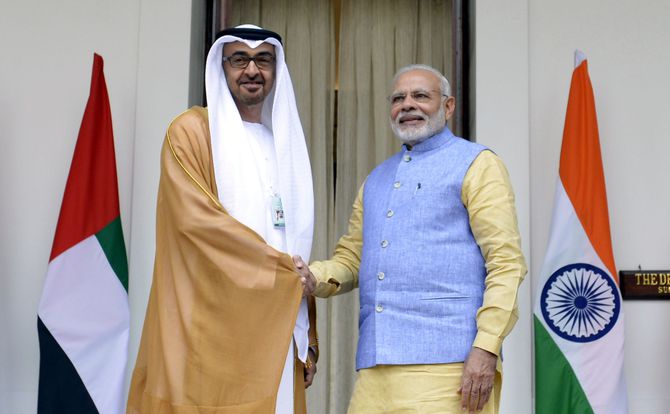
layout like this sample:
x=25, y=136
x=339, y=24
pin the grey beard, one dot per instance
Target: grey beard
x=413, y=136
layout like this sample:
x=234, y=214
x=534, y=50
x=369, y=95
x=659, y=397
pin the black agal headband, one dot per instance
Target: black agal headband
x=249, y=33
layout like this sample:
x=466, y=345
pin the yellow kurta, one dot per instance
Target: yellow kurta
x=223, y=303
x=487, y=195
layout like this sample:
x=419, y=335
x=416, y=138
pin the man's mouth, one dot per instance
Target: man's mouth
x=252, y=86
x=411, y=119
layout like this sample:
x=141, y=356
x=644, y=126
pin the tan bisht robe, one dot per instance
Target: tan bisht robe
x=223, y=303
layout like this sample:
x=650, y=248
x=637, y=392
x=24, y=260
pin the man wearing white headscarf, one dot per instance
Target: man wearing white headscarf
x=227, y=330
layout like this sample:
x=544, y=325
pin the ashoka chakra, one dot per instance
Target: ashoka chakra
x=580, y=302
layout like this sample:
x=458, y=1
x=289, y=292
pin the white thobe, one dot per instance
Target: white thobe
x=266, y=162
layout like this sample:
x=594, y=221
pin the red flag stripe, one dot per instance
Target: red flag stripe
x=90, y=200
x=581, y=168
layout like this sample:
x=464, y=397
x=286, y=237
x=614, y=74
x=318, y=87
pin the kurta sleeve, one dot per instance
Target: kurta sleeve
x=340, y=273
x=487, y=195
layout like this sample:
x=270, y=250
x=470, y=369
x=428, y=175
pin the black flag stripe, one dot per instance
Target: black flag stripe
x=61, y=390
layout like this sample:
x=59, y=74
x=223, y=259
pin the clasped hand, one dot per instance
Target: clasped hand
x=306, y=277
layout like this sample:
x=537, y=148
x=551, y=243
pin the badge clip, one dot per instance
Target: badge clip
x=277, y=212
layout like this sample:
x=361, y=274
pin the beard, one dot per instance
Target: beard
x=248, y=98
x=242, y=95
x=412, y=135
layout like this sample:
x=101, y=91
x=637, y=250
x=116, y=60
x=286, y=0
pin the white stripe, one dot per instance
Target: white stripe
x=598, y=365
x=85, y=308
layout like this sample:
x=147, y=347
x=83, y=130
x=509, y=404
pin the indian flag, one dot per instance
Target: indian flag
x=578, y=317
x=83, y=316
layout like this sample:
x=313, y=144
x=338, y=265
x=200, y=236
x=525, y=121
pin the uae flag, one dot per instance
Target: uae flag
x=83, y=316
x=578, y=317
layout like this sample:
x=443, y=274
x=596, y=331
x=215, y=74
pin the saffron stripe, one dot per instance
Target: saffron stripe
x=581, y=167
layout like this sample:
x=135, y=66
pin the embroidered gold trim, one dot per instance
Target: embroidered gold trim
x=203, y=189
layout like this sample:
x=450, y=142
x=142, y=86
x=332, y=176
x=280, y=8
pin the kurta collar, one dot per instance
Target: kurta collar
x=434, y=142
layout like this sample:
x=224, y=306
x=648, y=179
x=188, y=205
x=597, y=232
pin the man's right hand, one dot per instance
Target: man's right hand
x=306, y=277
x=479, y=371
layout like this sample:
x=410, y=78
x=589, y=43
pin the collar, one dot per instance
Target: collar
x=431, y=143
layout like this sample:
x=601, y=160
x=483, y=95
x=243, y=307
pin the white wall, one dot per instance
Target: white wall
x=501, y=122
x=162, y=93
x=524, y=57
x=629, y=61
x=47, y=53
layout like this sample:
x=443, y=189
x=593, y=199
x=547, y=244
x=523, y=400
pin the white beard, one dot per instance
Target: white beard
x=413, y=135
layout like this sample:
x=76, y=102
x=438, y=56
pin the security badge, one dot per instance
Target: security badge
x=277, y=211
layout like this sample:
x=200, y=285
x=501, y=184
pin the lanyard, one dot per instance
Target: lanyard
x=276, y=208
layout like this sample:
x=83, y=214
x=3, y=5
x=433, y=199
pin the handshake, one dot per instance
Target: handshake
x=306, y=276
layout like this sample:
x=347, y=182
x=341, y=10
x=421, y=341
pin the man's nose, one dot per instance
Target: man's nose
x=251, y=70
x=407, y=104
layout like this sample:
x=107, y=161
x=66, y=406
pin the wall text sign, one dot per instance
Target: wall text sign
x=645, y=284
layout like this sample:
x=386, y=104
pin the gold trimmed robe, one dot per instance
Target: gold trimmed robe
x=223, y=303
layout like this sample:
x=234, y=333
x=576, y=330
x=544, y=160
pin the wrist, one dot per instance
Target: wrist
x=313, y=349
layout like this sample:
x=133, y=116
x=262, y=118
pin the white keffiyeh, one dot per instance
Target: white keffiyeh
x=235, y=167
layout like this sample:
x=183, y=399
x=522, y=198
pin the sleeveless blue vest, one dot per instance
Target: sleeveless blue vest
x=422, y=274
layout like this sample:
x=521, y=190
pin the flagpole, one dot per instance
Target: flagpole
x=579, y=57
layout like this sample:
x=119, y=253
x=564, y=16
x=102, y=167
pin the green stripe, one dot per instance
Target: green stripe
x=557, y=389
x=111, y=240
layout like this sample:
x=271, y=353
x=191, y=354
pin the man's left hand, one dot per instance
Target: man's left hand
x=311, y=371
x=479, y=372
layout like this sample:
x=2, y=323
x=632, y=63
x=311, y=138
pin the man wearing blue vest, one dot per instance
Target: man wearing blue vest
x=434, y=247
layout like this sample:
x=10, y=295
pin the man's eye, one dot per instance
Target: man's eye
x=264, y=59
x=238, y=60
x=396, y=99
x=420, y=96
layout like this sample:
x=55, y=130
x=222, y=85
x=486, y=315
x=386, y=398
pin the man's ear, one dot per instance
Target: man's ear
x=449, y=107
